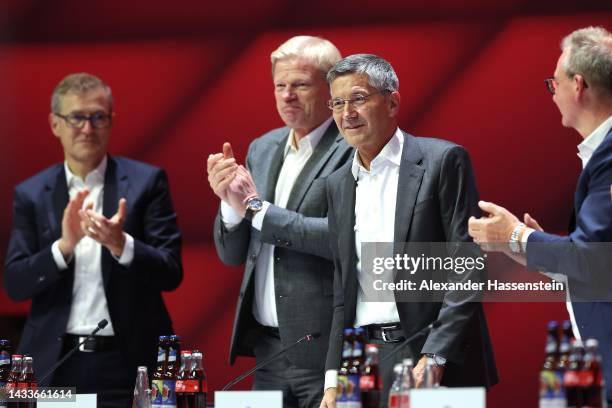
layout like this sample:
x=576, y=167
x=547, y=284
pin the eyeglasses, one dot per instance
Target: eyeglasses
x=337, y=104
x=77, y=120
x=551, y=85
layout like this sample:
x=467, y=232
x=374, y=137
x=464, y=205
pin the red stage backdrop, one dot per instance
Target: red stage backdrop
x=188, y=76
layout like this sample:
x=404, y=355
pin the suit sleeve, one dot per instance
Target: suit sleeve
x=334, y=351
x=585, y=254
x=29, y=268
x=291, y=230
x=157, y=255
x=458, y=198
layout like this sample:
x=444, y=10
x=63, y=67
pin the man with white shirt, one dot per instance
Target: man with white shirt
x=93, y=238
x=399, y=188
x=582, y=90
x=275, y=223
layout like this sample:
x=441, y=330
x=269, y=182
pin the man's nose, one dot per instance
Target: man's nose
x=87, y=127
x=288, y=93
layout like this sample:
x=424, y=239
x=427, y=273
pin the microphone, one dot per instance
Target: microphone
x=101, y=324
x=423, y=331
x=308, y=337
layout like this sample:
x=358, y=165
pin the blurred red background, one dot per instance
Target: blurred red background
x=189, y=75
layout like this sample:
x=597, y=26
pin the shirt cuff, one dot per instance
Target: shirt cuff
x=525, y=236
x=331, y=379
x=229, y=217
x=58, y=257
x=127, y=255
x=258, y=218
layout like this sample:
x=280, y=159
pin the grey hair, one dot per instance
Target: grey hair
x=319, y=51
x=78, y=83
x=381, y=74
x=590, y=55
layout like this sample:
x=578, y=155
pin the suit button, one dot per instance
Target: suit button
x=59, y=338
x=288, y=243
x=253, y=256
x=41, y=279
x=277, y=259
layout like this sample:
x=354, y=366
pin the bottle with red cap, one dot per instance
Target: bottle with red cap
x=5, y=368
x=394, y=392
x=13, y=379
x=591, y=376
x=370, y=382
x=198, y=374
x=185, y=392
x=571, y=378
x=27, y=380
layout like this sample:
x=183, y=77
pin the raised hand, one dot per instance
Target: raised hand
x=71, y=228
x=107, y=232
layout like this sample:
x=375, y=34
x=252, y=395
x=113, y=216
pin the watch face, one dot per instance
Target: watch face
x=254, y=204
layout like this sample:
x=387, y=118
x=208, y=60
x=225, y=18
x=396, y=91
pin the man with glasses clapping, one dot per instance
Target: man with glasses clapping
x=94, y=238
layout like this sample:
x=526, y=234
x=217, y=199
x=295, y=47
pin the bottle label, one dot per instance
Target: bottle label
x=187, y=386
x=172, y=355
x=341, y=388
x=570, y=379
x=367, y=382
x=585, y=378
x=352, y=388
x=163, y=393
x=394, y=400
x=551, y=385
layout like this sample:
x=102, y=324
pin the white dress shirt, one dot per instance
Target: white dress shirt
x=89, y=304
x=375, y=197
x=295, y=158
x=375, y=200
x=585, y=152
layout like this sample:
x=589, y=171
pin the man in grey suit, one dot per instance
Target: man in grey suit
x=275, y=222
x=399, y=188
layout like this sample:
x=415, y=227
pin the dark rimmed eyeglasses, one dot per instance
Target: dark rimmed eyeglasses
x=551, y=85
x=337, y=104
x=97, y=120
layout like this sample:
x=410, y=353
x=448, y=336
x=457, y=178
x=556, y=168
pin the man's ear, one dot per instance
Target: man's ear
x=394, y=103
x=54, y=123
x=580, y=85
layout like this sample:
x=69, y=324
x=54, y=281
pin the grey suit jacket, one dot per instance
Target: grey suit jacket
x=436, y=195
x=303, y=271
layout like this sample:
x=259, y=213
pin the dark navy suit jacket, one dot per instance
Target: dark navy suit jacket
x=585, y=255
x=133, y=293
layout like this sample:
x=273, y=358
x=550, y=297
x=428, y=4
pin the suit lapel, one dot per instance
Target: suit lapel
x=56, y=193
x=321, y=154
x=278, y=150
x=115, y=187
x=345, y=214
x=409, y=181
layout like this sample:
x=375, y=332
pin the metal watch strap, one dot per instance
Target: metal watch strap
x=515, y=243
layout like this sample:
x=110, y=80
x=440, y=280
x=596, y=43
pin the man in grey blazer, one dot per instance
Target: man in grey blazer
x=399, y=188
x=275, y=223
